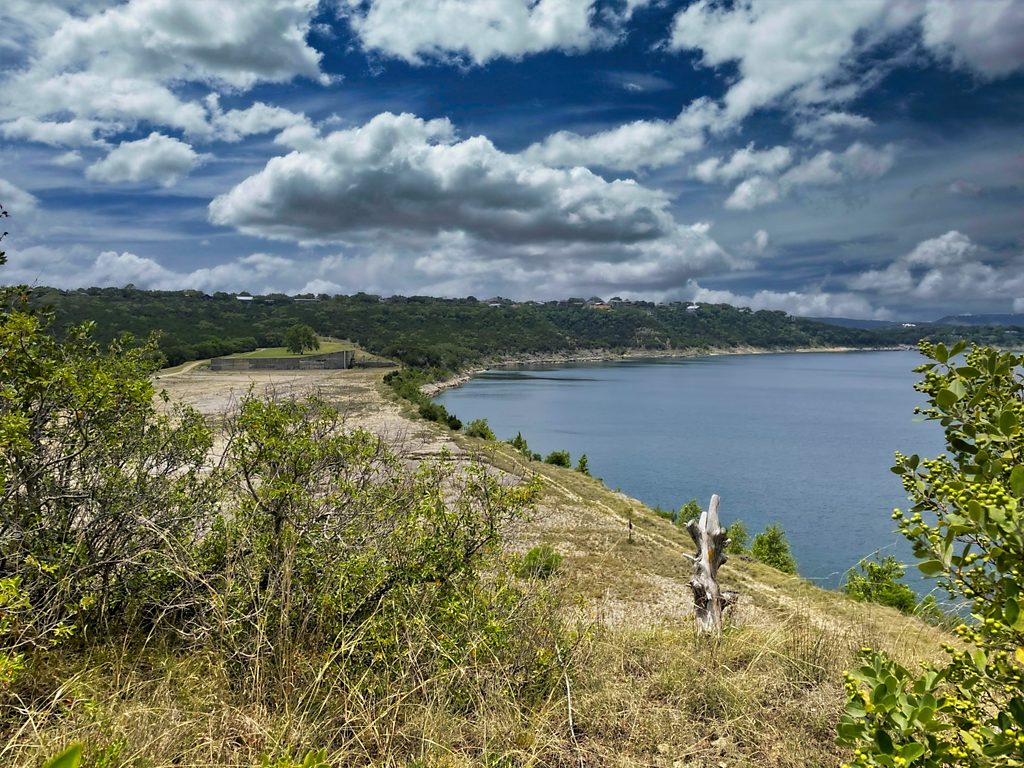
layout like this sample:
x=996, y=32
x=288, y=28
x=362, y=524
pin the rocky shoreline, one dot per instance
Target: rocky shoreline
x=603, y=355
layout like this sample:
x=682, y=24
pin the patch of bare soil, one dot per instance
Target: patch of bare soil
x=358, y=393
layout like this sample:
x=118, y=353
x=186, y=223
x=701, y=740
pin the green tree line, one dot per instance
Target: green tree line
x=451, y=334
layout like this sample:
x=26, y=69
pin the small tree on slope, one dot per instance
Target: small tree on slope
x=299, y=338
x=967, y=527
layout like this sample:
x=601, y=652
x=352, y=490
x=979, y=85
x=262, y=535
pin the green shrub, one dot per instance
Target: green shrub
x=667, y=514
x=965, y=527
x=519, y=443
x=771, y=548
x=102, y=493
x=325, y=535
x=583, y=466
x=433, y=412
x=878, y=581
x=559, y=459
x=454, y=423
x=739, y=539
x=541, y=562
x=479, y=428
x=691, y=510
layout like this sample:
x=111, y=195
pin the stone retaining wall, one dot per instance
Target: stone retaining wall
x=330, y=360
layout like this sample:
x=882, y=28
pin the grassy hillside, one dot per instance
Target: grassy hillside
x=597, y=665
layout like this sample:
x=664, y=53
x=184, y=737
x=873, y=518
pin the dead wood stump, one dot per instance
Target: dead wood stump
x=709, y=601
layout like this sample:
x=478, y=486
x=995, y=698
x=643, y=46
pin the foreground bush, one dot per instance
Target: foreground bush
x=308, y=572
x=967, y=528
x=100, y=494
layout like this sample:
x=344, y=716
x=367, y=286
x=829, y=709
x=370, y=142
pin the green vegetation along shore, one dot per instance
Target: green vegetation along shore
x=453, y=334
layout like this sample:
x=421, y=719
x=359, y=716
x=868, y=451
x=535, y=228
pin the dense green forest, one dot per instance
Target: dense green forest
x=453, y=333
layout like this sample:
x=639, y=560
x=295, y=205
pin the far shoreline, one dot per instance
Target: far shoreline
x=434, y=389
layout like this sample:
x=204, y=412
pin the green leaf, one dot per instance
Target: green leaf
x=945, y=399
x=1011, y=612
x=956, y=386
x=884, y=742
x=1008, y=422
x=911, y=751
x=1017, y=481
x=849, y=733
x=69, y=758
x=940, y=353
x=931, y=567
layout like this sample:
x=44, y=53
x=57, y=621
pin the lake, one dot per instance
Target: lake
x=803, y=439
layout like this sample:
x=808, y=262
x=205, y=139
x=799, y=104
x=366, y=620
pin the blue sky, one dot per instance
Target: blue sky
x=852, y=157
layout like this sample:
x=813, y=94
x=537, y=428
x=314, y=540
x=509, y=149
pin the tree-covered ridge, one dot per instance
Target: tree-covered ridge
x=453, y=333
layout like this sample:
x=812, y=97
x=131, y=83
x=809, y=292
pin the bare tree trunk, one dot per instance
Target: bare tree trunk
x=708, y=598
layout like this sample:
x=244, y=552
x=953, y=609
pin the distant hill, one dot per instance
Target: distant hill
x=457, y=333
x=853, y=322
x=1017, y=319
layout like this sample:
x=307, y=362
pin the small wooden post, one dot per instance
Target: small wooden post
x=708, y=598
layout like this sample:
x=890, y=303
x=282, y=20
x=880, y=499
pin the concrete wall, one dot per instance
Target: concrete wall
x=331, y=360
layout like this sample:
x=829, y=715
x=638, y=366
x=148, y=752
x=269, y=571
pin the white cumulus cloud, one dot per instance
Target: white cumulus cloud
x=15, y=199
x=124, y=63
x=157, y=157
x=69, y=133
x=218, y=41
x=401, y=173
x=983, y=36
x=235, y=124
x=950, y=266
x=419, y=30
x=744, y=162
x=633, y=146
x=814, y=303
x=858, y=162
x=807, y=54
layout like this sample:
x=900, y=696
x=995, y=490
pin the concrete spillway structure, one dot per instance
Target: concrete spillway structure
x=330, y=360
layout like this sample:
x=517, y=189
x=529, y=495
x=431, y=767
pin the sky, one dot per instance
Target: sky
x=854, y=158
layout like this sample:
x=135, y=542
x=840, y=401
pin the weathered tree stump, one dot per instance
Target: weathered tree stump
x=708, y=599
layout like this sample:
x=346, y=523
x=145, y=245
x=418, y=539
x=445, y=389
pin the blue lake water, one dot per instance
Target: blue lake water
x=804, y=440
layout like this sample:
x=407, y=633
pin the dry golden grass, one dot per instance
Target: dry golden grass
x=642, y=689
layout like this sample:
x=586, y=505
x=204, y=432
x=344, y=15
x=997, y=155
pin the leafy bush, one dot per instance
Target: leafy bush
x=100, y=493
x=479, y=428
x=433, y=412
x=519, y=443
x=739, y=539
x=667, y=514
x=325, y=531
x=691, y=510
x=965, y=526
x=878, y=581
x=771, y=548
x=583, y=465
x=559, y=459
x=541, y=562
